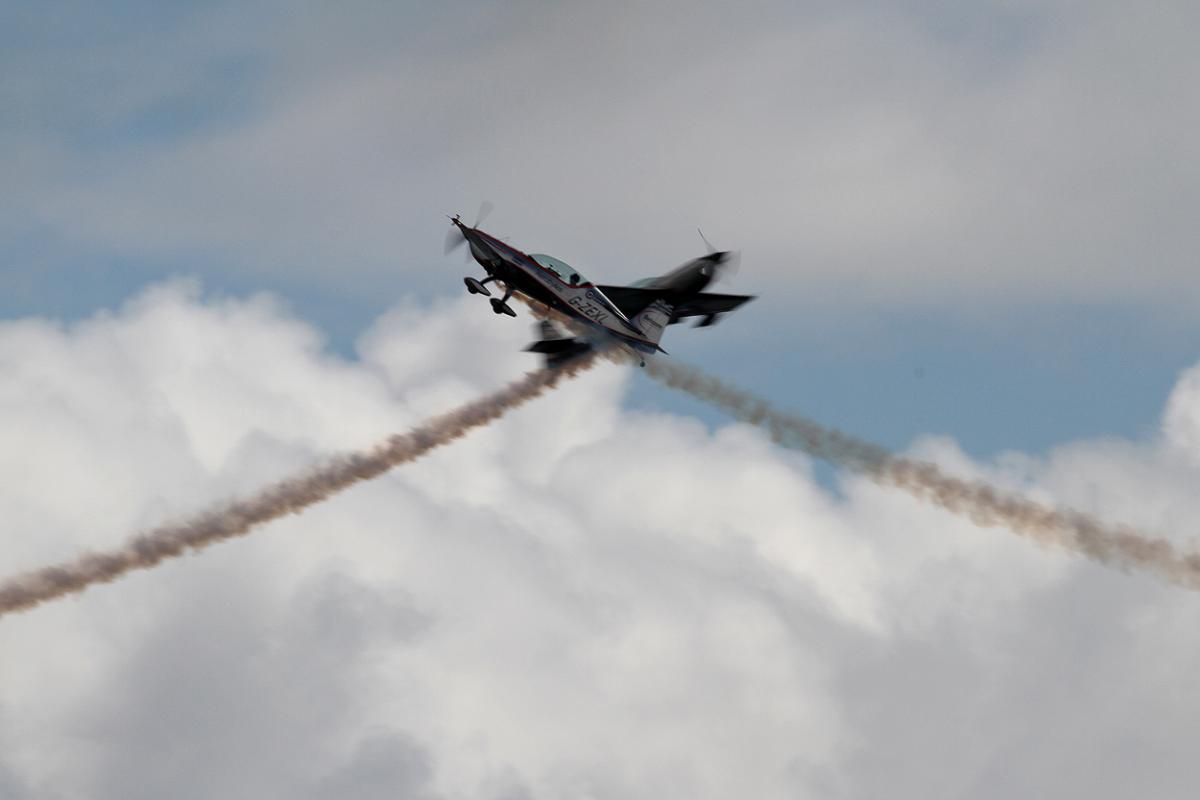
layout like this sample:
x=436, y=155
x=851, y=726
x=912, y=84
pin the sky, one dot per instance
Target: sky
x=969, y=228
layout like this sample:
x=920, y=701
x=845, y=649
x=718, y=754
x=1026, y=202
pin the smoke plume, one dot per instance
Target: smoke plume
x=1120, y=547
x=286, y=497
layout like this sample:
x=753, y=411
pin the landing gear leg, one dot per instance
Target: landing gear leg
x=501, y=306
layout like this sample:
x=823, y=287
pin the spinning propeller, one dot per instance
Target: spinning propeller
x=454, y=236
x=724, y=263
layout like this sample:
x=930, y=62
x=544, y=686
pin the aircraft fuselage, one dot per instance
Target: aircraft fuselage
x=542, y=278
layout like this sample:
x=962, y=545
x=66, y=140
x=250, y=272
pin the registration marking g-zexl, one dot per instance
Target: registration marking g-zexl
x=588, y=309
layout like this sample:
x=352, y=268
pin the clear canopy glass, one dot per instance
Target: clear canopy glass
x=560, y=268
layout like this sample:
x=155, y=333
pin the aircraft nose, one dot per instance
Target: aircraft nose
x=719, y=264
x=712, y=261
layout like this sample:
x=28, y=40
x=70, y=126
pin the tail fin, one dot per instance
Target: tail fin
x=653, y=319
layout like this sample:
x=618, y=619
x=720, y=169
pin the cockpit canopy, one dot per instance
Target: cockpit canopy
x=562, y=269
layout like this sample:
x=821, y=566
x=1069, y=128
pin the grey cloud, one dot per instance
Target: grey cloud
x=869, y=153
x=335, y=608
x=10, y=786
x=1024, y=708
x=234, y=693
x=382, y=766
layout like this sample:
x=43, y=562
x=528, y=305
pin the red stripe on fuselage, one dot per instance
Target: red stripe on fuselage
x=493, y=242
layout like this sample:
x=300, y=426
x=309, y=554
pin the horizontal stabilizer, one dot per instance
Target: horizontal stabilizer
x=553, y=346
x=557, y=348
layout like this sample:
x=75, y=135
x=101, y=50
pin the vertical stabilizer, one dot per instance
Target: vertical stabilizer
x=653, y=319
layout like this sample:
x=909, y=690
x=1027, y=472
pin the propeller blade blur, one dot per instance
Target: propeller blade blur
x=454, y=239
x=485, y=208
x=730, y=266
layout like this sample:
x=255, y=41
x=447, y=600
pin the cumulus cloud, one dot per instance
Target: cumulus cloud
x=580, y=600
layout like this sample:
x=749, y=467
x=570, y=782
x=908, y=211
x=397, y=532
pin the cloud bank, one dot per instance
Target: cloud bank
x=289, y=496
x=579, y=600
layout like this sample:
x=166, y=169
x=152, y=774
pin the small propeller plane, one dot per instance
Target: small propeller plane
x=632, y=317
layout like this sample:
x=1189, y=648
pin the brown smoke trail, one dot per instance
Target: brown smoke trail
x=1120, y=547
x=286, y=497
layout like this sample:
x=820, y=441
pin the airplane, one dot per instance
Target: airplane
x=631, y=317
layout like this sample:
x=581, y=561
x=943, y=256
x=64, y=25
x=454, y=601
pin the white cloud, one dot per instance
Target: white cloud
x=579, y=600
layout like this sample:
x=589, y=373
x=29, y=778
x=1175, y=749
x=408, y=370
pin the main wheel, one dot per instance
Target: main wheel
x=475, y=287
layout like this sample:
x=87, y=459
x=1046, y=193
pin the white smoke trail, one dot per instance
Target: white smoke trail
x=286, y=497
x=1119, y=546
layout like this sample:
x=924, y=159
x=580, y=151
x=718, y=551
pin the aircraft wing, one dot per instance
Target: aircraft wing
x=631, y=300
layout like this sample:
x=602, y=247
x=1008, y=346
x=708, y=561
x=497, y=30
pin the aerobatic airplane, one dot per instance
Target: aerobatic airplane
x=632, y=317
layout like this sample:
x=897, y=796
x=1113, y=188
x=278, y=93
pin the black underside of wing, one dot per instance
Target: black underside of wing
x=631, y=300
